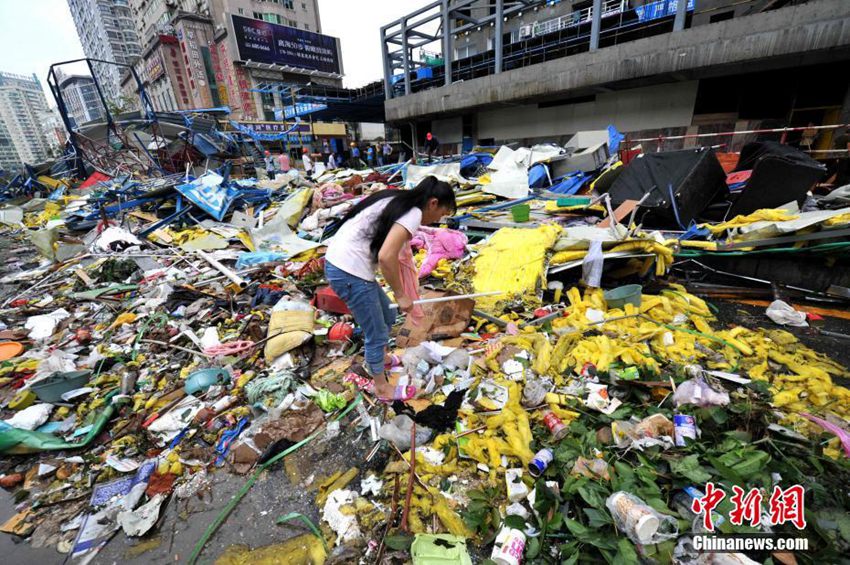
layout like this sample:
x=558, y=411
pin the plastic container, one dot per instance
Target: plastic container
x=622, y=295
x=10, y=349
x=520, y=212
x=53, y=387
x=327, y=300
x=641, y=523
x=573, y=201
x=200, y=381
x=509, y=547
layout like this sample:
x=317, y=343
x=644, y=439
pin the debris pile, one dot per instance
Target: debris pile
x=588, y=390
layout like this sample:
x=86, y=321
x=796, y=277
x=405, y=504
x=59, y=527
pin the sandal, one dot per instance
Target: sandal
x=401, y=393
x=394, y=362
x=363, y=384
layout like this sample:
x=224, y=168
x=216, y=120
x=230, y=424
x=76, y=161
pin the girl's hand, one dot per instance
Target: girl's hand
x=405, y=304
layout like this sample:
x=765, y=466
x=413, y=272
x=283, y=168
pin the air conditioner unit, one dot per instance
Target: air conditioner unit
x=525, y=31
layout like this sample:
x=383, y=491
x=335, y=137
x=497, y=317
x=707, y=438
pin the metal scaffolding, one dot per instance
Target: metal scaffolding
x=441, y=21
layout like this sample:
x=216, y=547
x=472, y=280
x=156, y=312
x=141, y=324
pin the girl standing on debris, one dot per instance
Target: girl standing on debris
x=373, y=234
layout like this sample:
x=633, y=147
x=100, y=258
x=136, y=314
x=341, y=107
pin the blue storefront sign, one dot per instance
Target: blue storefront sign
x=265, y=42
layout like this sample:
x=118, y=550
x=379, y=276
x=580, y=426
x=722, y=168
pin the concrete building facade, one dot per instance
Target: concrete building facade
x=257, y=89
x=192, y=59
x=649, y=68
x=107, y=32
x=22, y=106
x=83, y=101
x=152, y=18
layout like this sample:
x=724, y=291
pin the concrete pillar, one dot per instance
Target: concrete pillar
x=447, y=43
x=497, y=41
x=595, y=24
x=405, y=56
x=681, y=12
x=388, y=72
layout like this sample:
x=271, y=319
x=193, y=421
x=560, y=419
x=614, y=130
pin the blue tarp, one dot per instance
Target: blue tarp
x=569, y=184
x=470, y=164
x=614, y=139
x=207, y=193
x=538, y=176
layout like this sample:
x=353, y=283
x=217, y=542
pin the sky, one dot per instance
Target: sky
x=37, y=33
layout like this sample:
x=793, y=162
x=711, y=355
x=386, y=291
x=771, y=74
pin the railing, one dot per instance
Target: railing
x=609, y=8
x=557, y=38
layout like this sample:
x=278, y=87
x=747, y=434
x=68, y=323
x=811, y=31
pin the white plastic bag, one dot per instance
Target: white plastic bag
x=699, y=393
x=591, y=268
x=784, y=314
x=397, y=431
x=30, y=418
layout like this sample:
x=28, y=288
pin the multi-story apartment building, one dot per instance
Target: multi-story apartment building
x=22, y=107
x=107, y=32
x=84, y=104
x=244, y=54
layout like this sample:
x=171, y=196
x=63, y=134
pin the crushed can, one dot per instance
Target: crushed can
x=556, y=425
x=540, y=462
x=684, y=426
x=509, y=547
x=588, y=371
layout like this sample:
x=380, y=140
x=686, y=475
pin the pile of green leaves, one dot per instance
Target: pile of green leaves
x=735, y=448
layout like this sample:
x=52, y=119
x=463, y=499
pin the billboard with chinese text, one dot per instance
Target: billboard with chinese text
x=265, y=42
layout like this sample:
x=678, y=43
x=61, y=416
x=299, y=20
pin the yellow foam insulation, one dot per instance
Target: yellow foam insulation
x=513, y=260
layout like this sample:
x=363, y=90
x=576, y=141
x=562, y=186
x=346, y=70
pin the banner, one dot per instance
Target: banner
x=265, y=42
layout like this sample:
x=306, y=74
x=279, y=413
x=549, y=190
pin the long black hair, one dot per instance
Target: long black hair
x=402, y=202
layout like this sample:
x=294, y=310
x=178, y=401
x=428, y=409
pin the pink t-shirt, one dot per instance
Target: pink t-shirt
x=349, y=249
x=283, y=159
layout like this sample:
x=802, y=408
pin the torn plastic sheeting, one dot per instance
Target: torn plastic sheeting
x=138, y=522
x=507, y=176
x=447, y=172
x=276, y=235
x=114, y=235
x=513, y=261
x=42, y=327
x=119, y=495
x=166, y=427
x=44, y=241
x=15, y=442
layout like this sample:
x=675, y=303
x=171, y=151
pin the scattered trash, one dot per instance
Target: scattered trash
x=163, y=333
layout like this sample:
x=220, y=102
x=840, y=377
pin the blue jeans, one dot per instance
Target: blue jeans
x=371, y=308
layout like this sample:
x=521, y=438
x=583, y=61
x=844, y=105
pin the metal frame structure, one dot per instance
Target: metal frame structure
x=117, y=153
x=415, y=30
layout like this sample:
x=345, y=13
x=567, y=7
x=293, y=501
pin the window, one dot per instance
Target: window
x=289, y=4
x=307, y=27
x=465, y=51
x=241, y=11
x=722, y=16
x=303, y=6
x=293, y=23
x=258, y=16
